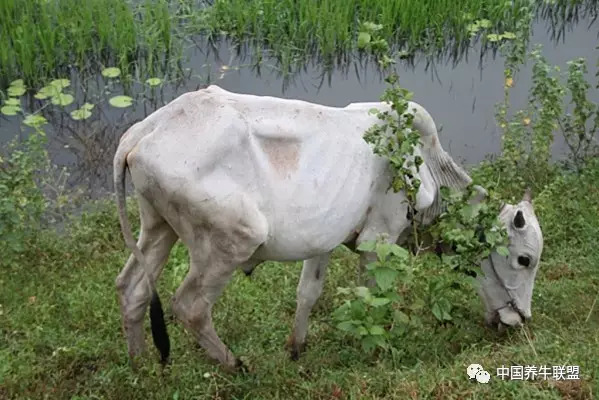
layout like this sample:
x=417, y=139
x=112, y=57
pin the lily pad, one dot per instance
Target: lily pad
x=121, y=101
x=60, y=83
x=12, y=102
x=493, y=37
x=83, y=112
x=10, y=110
x=34, y=120
x=16, y=90
x=154, y=81
x=80, y=114
x=62, y=99
x=47, y=91
x=111, y=72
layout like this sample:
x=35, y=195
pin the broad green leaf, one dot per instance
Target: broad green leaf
x=401, y=317
x=360, y=330
x=81, y=113
x=346, y=326
x=470, y=211
x=385, y=277
x=12, y=102
x=60, y=83
x=508, y=35
x=503, y=251
x=493, y=37
x=379, y=301
x=446, y=315
x=473, y=28
x=62, y=99
x=18, y=82
x=382, y=251
x=47, y=91
x=362, y=291
x=484, y=23
x=437, y=311
x=363, y=39
x=121, y=101
x=10, y=110
x=377, y=330
x=367, y=246
x=399, y=251
x=87, y=106
x=371, y=341
x=16, y=91
x=35, y=120
x=154, y=81
x=111, y=72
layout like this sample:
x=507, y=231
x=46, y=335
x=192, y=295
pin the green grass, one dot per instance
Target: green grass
x=45, y=39
x=330, y=27
x=41, y=39
x=60, y=331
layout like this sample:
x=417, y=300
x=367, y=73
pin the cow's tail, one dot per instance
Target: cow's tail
x=159, y=332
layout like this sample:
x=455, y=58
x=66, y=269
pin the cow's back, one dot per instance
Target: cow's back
x=306, y=166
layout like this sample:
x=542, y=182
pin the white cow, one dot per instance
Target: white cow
x=242, y=179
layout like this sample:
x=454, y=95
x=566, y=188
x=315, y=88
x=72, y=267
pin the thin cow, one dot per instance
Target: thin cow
x=243, y=179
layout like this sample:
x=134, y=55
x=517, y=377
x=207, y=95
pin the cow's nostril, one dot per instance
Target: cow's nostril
x=524, y=261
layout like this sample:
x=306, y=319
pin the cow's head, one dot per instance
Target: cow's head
x=507, y=285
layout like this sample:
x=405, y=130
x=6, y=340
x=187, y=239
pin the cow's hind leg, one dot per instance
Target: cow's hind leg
x=217, y=247
x=155, y=241
x=309, y=290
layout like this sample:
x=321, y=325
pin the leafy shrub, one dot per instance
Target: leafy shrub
x=22, y=202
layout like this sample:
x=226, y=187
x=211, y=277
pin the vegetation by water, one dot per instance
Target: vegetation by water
x=43, y=39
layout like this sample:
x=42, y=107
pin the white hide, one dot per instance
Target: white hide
x=305, y=166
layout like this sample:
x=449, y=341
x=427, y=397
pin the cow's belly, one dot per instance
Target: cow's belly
x=319, y=205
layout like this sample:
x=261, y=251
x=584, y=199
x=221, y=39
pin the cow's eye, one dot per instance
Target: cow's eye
x=524, y=261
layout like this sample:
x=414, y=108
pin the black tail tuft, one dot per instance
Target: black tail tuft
x=159, y=333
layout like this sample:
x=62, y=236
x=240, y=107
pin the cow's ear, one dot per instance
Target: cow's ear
x=527, y=195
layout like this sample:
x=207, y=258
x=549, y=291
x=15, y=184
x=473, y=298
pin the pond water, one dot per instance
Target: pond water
x=461, y=98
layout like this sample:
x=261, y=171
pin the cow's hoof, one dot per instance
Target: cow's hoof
x=241, y=367
x=295, y=349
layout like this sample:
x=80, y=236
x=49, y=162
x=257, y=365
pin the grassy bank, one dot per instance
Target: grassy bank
x=60, y=327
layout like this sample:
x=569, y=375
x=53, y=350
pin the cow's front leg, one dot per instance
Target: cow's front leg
x=309, y=290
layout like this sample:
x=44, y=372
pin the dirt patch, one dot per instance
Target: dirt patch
x=573, y=389
x=559, y=271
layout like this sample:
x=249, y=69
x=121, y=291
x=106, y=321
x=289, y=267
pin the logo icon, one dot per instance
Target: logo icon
x=477, y=372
